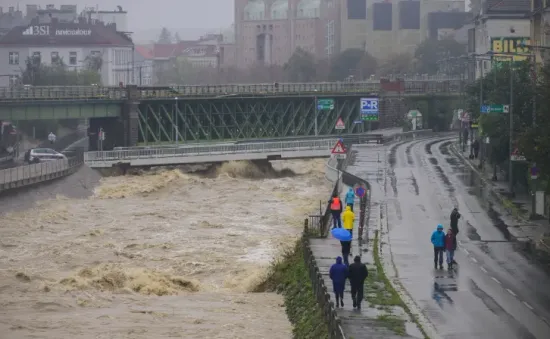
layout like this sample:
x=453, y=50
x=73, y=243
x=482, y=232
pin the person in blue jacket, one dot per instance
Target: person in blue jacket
x=350, y=198
x=438, y=241
x=338, y=274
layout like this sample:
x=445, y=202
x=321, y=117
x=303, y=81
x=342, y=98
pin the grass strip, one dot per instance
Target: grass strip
x=289, y=276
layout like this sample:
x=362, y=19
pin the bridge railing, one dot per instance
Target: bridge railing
x=35, y=171
x=46, y=93
x=206, y=150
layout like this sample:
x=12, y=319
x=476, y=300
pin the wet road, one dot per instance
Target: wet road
x=495, y=292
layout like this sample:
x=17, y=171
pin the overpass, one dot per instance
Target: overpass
x=143, y=115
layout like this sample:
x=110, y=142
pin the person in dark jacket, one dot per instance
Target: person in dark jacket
x=335, y=205
x=454, y=220
x=338, y=274
x=438, y=241
x=346, y=251
x=450, y=248
x=357, y=274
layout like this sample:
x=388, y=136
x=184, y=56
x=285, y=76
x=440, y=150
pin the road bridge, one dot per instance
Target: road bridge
x=141, y=115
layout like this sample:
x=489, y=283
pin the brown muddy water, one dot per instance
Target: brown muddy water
x=163, y=254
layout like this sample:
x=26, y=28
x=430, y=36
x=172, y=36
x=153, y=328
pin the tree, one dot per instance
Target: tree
x=301, y=66
x=93, y=63
x=431, y=53
x=352, y=62
x=179, y=71
x=165, y=36
x=397, y=64
x=496, y=91
x=177, y=37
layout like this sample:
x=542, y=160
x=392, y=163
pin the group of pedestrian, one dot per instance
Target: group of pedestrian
x=446, y=242
x=356, y=273
x=341, y=271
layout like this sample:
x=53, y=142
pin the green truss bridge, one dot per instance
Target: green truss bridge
x=134, y=115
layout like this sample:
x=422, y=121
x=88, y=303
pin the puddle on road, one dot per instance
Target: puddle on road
x=415, y=185
x=428, y=147
x=433, y=161
x=444, y=148
x=471, y=232
x=498, y=222
x=445, y=179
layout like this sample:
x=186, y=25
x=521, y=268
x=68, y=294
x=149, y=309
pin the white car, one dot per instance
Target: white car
x=36, y=155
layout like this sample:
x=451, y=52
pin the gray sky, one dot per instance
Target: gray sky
x=191, y=18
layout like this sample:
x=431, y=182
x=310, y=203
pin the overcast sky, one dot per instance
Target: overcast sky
x=191, y=18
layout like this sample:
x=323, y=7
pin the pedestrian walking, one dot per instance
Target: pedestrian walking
x=455, y=215
x=350, y=198
x=450, y=248
x=336, y=210
x=52, y=137
x=348, y=217
x=357, y=274
x=438, y=241
x=338, y=274
x=475, y=147
x=346, y=251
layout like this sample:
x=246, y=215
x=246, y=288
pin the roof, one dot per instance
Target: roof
x=507, y=6
x=167, y=51
x=65, y=34
x=144, y=51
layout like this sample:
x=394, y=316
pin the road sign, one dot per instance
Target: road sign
x=495, y=109
x=534, y=172
x=339, y=148
x=340, y=124
x=325, y=104
x=340, y=156
x=517, y=156
x=358, y=122
x=369, y=109
x=360, y=191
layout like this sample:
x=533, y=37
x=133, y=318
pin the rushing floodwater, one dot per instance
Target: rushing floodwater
x=157, y=255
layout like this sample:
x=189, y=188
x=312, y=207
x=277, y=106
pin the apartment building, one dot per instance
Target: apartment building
x=540, y=29
x=71, y=42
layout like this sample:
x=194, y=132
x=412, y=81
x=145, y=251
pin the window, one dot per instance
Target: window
x=357, y=9
x=55, y=57
x=14, y=58
x=14, y=80
x=36, y=58
x=72, y=58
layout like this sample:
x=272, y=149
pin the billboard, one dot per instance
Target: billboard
x=506, y=46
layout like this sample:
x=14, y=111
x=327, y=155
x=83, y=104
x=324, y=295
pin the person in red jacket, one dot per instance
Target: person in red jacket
x=450, y=247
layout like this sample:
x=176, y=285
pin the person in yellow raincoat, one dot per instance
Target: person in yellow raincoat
x=348, y=217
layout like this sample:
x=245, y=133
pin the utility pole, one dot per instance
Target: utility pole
x=511, y=131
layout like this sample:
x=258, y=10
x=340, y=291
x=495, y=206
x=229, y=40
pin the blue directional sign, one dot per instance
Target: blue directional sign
x=369, y=109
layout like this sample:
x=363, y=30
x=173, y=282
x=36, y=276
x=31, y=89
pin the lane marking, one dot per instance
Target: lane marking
x=483, y=269
x=496, y=280
x=473, y=259
x=511, y=292
x=465, y=251
x=528, y=306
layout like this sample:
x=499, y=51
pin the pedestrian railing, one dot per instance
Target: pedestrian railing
x=208, y=150
x=320, y=289
x=26, y=175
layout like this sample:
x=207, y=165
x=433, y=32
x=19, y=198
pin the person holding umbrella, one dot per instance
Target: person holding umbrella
x=338, y=274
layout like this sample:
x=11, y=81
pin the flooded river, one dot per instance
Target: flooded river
x=163, y=254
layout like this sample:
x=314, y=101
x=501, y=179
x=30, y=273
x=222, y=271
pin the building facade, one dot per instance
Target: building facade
x=502, y=28
x=540, y=29
x=71, y=42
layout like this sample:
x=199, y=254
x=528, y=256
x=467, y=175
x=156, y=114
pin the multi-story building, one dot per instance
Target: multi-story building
x=143, y=65
x=71, y=42
x=11, y=18
x=502, y=27
x=540, y=30
x=269, y=31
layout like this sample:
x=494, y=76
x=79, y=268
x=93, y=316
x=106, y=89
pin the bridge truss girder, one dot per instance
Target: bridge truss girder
x=243, y=118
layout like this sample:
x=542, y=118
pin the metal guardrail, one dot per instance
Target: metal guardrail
x=415, y=85
x=30, y=174
x=207, y=150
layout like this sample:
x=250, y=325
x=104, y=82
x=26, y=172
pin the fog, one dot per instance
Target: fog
x=190, y=18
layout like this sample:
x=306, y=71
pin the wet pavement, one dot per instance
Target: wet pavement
x=495, y=292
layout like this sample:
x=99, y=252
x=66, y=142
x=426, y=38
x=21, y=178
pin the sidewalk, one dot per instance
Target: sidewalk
x=515, y=211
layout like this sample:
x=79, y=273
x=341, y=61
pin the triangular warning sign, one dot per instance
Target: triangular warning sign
x=339, y=148
x=340, y=124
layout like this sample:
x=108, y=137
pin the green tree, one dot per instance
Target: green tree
x=300, y=67
x=496, y=91
x=431, y=53
x=535, y=139
x=93, y=63
x=352, y=62
x=397, y=64
x=165, y=36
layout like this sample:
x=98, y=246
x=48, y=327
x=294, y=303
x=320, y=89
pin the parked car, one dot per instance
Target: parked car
x=36, y=155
